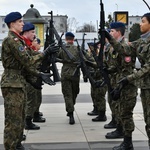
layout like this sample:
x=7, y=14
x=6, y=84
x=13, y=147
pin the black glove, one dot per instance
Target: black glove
x=50, y=50
x=46, y=78
x=124, y=81
x=107, y=35
x=115, y=94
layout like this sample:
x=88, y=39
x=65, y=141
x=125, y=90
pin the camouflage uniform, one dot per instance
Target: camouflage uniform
x=98, y=97
x=69, y=82
x=34, y=96
x=111, y=62
x=142, y=50
x=13, y=85
x=127, y=100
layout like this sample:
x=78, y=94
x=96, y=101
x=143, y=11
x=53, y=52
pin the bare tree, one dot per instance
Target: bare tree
x=72, y=24
x=86, y=28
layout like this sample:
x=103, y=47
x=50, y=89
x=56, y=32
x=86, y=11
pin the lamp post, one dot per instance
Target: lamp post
x=117, y=6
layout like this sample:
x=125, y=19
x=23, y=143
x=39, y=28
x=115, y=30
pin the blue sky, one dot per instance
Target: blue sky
x=84, y=11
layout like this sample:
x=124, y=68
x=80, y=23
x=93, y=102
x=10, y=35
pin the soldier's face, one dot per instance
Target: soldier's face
x=144, y=25
x=30, y=35
x=115, y=34
x=17, y=26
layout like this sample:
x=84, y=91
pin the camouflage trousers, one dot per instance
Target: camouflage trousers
x=98, y=97
x=33, y=100
x=70, y=90
x=124, y=109
x=14, y=104
x=38, y=99
x=145, y=98
x=113, y=107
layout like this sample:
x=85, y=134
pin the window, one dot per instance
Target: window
x=3, y=25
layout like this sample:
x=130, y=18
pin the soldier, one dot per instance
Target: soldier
x=112, y=62
x=98, y=94
x=28, y=35
x=36, y=46
x=13, y=84
x=127, y=100
x=69, y=81
x=141, y=48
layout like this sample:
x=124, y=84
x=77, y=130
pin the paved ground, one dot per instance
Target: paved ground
x=57, y=134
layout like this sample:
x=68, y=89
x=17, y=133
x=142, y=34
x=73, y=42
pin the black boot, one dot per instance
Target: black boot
x=112, y=124
x=94, y=112
x=23, y=137
x=71, y=118
x=118, y=133
x=125, y=145
x=100, y=117
x=29, y=125
x=19, y=147
x=38, y=118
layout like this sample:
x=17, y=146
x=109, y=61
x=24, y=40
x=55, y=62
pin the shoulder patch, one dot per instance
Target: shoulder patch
x=21, y=48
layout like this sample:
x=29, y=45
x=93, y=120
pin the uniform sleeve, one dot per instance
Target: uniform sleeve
x=21, y=54
x=144, y=71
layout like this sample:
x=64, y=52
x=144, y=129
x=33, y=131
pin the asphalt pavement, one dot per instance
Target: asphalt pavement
x=57, y=134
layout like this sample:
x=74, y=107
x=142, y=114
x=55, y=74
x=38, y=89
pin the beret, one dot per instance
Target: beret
x=146, y=15
x=69, y=34
x=13, y=16
x=28, y=26
x=115, y=25
x=38, y=40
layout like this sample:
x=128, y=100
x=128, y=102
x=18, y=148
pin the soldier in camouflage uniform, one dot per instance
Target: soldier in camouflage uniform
x=141, y=48
x=13, y=84
x=128, y=94
x=112, y=63
x=28, y=35
x=98, y=94
x=69, y=81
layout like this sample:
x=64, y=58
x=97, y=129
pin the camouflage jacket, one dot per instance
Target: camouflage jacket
x=70, y=66
x=126, y=63
x=15, y=58
x=142, y=49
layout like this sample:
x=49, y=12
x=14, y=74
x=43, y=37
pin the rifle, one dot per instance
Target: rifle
x=50, y=64
x=84, y=69
x=100, y=55
x=61, y=44
x=85, y=79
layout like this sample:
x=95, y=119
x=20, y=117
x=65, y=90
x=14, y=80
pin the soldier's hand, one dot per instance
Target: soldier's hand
x=107, y=35
x=115, y=94
x=51, y=49
x=46, y=78
x=124, y=81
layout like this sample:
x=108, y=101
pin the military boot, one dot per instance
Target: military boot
x=38, y=118
x=29, y=125
x=94, y=112
x=100, y=117
x=112, y=124
x=125, y=145
x=118, y=133
x=71, y=118
x=23, y=137
x=19, y=146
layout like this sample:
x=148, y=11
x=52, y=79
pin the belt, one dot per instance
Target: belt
x=13, y=71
